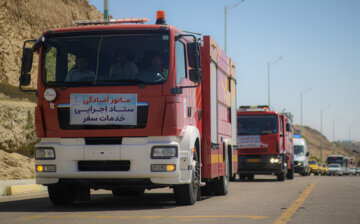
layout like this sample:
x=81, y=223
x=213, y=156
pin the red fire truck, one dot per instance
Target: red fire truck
x=264, y=143
x=128, y=107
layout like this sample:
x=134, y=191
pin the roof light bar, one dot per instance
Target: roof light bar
x=254, y=108
x=111, y=21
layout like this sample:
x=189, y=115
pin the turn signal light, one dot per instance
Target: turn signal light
x=170, y=168
x=39, y=168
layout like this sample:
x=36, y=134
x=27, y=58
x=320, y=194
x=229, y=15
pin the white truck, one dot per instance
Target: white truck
x=301, y=155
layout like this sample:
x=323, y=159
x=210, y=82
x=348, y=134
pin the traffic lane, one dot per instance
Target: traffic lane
x=334, y=200
x=260, y=201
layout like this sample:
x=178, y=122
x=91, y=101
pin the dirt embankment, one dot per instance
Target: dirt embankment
x=313, y=137
x=22, y=20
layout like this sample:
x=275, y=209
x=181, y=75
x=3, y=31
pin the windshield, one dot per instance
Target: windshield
x=333, y=159
x=257, y=125
x=312, y=162
x=123, y=59
x=299, y=150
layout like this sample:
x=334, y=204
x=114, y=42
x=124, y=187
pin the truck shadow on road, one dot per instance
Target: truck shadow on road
x=255, y=180
x=99, y=202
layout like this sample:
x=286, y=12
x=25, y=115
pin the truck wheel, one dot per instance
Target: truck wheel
x=281, y=176
x=290, y=173
x=187, y=194
x=60, y=195
x=221, y=185
x=128, y=192
x=233, y=177
x=250, y=177
x=242, y=177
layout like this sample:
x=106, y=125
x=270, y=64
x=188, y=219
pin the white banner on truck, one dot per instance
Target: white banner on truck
x=250, y=141
x=103, y=109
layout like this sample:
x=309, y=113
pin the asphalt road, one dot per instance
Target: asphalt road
x=313, y=199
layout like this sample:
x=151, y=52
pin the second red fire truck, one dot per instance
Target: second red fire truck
x=264, y=143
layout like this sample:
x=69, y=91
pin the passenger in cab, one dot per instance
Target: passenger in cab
x=157, y=65
x=240, y=128
x=123, y=68
x=253, y=129
x=268, y=128
x=80, y=71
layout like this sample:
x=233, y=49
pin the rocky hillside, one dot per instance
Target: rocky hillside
x=313, y=136
x=26, y=19
x=21, y=20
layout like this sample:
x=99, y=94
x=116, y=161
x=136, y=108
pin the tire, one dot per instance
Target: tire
x=290, y=172
x=281, y=176
x=128, y=192
x=242, y=177
x=251, y=177
x=60, y=195
x=221, y=185
x=233, y=177
x=187, y=194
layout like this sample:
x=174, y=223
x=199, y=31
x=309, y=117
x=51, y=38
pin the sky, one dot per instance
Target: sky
x=319, y=41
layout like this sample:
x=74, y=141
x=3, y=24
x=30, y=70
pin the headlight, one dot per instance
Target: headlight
x=44, y=153
x=274, y=160
x=163, y=152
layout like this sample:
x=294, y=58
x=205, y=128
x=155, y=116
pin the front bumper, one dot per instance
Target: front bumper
x=260, y=164
x=299, y=167
x=69, y=152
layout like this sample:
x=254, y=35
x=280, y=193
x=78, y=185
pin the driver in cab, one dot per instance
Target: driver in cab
x=80, y=71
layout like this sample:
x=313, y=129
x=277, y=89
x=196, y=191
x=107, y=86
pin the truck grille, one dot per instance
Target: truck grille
x=63, y=111
x=119, y=165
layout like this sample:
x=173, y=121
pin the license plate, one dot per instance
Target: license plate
x=253, y=160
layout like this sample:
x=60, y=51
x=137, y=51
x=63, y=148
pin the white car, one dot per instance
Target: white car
x=353, y=171
x=335, y=169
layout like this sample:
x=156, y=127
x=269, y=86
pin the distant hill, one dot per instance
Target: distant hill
x=313, y=137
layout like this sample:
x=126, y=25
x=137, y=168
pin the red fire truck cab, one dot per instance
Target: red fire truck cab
x=128, y=107
x=264, y=142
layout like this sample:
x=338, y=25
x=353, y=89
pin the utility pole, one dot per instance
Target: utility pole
x=350, y=131
x=268, y=74
x=334, y=133
x=321, y=116
x=301, y=120
x=106, y=9
x=225, y=32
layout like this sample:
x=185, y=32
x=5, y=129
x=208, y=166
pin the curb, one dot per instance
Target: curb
x=22, y=189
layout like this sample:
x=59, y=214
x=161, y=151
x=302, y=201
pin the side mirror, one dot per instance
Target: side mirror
x=26, y=60
x=26, y=64
x=25, y=79
x=307, y=154
x=193, y=51
x=195, y=75
x=288, y=127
